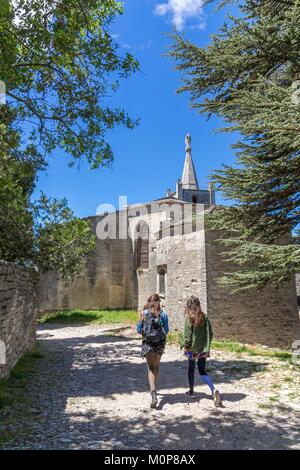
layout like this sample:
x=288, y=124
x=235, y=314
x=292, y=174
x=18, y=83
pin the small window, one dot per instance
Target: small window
x=162, y=282
x=172, y=221
x=195, y=200
x=160, y=233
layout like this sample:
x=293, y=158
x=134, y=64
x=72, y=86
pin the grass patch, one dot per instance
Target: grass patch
x=263, y=406
x=274, y=399
x=100, y=317
x=230, y=346
x=174, y=337
x=288, y=379
x=276, y=386
x=11, y=388
x=236, y=347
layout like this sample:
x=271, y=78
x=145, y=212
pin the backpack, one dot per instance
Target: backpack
x=153, y=330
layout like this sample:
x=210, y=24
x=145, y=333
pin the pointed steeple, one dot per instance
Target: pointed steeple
x=189, y=178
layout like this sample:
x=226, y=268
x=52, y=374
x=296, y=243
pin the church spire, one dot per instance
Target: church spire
x=189, y=178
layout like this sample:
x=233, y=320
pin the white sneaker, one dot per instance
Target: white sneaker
x=217, y=398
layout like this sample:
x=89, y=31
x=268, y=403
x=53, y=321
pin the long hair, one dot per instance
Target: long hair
x=152, y=298
x=154, y=305
x=193, y=311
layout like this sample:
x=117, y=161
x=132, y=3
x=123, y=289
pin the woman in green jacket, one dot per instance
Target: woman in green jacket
x=197, y=339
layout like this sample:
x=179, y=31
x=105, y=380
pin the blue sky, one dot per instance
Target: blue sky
x=148, y=159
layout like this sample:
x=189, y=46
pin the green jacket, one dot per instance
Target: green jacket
x=197, y=339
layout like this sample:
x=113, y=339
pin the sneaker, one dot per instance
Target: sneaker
x=217, y=398
x=154, y=399
x=190, y=393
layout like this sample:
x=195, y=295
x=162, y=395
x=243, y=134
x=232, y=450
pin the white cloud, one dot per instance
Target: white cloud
x=141, y=47
x=146, y=45
x=180, y=11
x=127, y=46
x=201, y=26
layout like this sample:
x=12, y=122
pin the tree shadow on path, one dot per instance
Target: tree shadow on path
x=92, y=392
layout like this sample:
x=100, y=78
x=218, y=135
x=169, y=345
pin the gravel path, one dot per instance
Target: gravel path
x=90, y=391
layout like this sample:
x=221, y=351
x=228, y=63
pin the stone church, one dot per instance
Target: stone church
x=164, y=246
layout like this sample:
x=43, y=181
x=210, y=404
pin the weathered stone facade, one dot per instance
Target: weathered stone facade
x=193, y=264
x=182, y=257
x=18, y=313
x=108, y=279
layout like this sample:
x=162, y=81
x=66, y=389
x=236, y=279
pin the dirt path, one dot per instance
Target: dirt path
x=90, y=392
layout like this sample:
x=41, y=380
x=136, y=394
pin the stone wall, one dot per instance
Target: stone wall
x=193, y=265
x=183, y=258
x=107, y=279
x=18, y=312
x=185, y=273
x=269, y=317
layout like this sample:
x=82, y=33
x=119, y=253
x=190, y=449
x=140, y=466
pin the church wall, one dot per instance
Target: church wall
x=186, y=273
x=183, y=257
x=269, y=317
x=107, y=280
x=147, y=278
x=203, y=196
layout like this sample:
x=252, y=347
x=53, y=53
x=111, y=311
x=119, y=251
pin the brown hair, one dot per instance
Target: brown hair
x=152, y=298
x=154, y=305
x=193, y=311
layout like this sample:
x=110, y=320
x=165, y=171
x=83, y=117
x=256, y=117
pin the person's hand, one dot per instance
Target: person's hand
x=188, y=353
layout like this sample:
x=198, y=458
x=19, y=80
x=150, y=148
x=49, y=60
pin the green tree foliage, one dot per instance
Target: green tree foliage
x=62, y=241
x=43, y=234
x=16, y=220
x=248, y=76
x=59, y=63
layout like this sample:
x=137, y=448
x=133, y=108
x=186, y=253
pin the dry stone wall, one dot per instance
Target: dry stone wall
x=18, y=313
